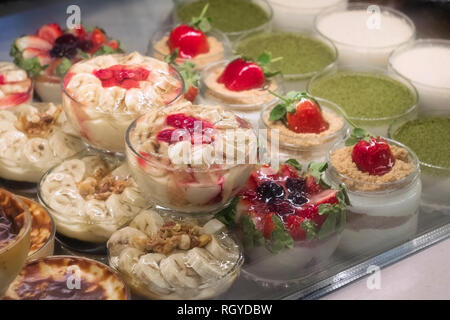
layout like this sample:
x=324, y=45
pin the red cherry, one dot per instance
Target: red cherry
x=240, y=75
x=189, y=41
x=307, y=118
x=374, y=157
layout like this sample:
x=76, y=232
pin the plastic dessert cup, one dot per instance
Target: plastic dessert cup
x=305, y=148
x=70, y=278
x=204, y=263
x=220, y=47
x=219, y=17
x=14, y=248
x=247, y=104
x=365, y=34
x=380, y=215
x=377, y=125
x=430, y=75
x=300, y=14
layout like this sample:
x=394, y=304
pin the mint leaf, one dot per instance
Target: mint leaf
x=311, y=229
x=252, y=237
x=63, y=67
x=277, y=113
x=201, y=22
x=104, y=49
x=328, y=227
x=357, y=135
x=294, y=163
x=343, y=195
x=264, y=58
x=288, y=103
x=83, y=54
x=280, y=238
x=228, y=215
x=32, y=66
x=316, y=169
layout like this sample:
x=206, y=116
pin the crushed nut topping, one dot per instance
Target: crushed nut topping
x=38, y=124
x=174, y=235
x=101, y=185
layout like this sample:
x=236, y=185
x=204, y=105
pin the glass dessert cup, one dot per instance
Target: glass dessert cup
x=247, y=104
x=233, y=35
x=203, y=264
x=14, y=248
x=431, y=98
x=158, y=47
x=380, y=215
x=377, y=126
x=30, y=145
x=105, y=129
x=25, y=98
x=306, y=147
x=48, y=88
x=361, y=54
x=90, y=196
x=70, y=278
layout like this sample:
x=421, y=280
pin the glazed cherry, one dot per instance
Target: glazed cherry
x=307, y=118
x=374, y=156
x=269, y=191
x=189, y=41
x=240, y=75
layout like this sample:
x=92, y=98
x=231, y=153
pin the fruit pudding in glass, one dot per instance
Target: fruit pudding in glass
x=196, y=42
x=372, y=97
x=383, y=181
x=302, y=127
x=90, y=196
x=15, y=228
x=429, y=137
x=104, y=94
x=15, y=86
x=67, y=278
x=191, y=158
x=34, y=139
x=175, y=258
x=288, y=220
x=49, y=53
x=242, y=86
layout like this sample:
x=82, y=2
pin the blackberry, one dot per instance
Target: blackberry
x=65, y=46
x=298, y=198
x=269, y=191
x=296, y=185
x=281, y=207
x=84, y=45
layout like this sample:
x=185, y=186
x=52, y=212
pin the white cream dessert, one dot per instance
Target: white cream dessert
x=15, y=86
x=163, y=258
x=185, y=156
x=103, y=95
x=34, y=139
x=91, y=197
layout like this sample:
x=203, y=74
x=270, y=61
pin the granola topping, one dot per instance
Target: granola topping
x=38, y=124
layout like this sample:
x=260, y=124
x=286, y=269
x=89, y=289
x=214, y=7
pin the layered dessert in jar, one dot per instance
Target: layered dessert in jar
x=104, y=94
x=15, y=86
x=383, y=181
x=242, y=86
x=430, y=74
x=90, y=196
x=289, y=220
x=233, y=17
x=67, y=278
x=172, y=258
x=191, y=158
x=15, y=228
x=429, y=137
x=372, y=98
x=302, y=127
x=304, y=54
x=34, y=139
x=195, y=41
x=365, y=34
x=48, y=54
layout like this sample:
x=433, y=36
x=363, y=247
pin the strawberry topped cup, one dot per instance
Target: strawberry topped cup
x=104, y=94
x=191, y=158
x=289, y=220
x=48, y=54
x=15, y=86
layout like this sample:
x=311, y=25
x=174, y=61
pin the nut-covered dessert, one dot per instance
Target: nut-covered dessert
x=67, y=278
x=376, y=170
x=169, y=258
x=288, y=220
x=15, y=86
x=191, y=158
x=15, y=227
x=90, y=196
x=104, y=94
x=33, y=140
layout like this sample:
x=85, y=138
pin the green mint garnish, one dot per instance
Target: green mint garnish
x=357, y=135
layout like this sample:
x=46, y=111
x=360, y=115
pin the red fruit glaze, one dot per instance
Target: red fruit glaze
x=374, y=157
x=121, y=76
x=240, y=75
x=307, y=118
x=189, y=41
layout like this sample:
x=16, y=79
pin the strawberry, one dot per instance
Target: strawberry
x=32, y=42
x=49, y=32
x=293, y=224
x=190, y=76
x=78, y=31
x=374, y=156
x=191, y=94
x=269, y=226
x=307, y=118
x=2, y=79
x=328, y=196
x=14, y=99
x=43, y=56
x=312, y=186
x=98, y=37
x=114, y=44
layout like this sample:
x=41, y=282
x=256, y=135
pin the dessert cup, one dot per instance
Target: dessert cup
x=16, y=88
x=48, y=88
x=381, y=214
x=15, y=240
x=164, y=258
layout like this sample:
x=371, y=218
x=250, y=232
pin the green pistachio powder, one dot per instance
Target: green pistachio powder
x=429, y=138
x=301, y=53
x=365, y=95
x=226, y=15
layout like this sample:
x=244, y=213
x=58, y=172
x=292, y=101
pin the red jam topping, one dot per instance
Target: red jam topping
x=122, y=76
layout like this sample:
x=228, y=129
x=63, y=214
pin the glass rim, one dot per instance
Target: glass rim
x=299, y=6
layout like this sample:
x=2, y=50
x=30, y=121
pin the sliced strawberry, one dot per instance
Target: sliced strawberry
x=373, y=156
x=307, y=118
x=287, y=171
x=78, y=31
x=14, y=99
x=33, y=42
x=189, y=41
x=98, y=37
x=43, y=56
x=293, y=224
x=326, y=196
x=311, y=186
x=240, y=75
x=269, y=226
x=49, y=32
x=191, y=94
x=114, y=44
